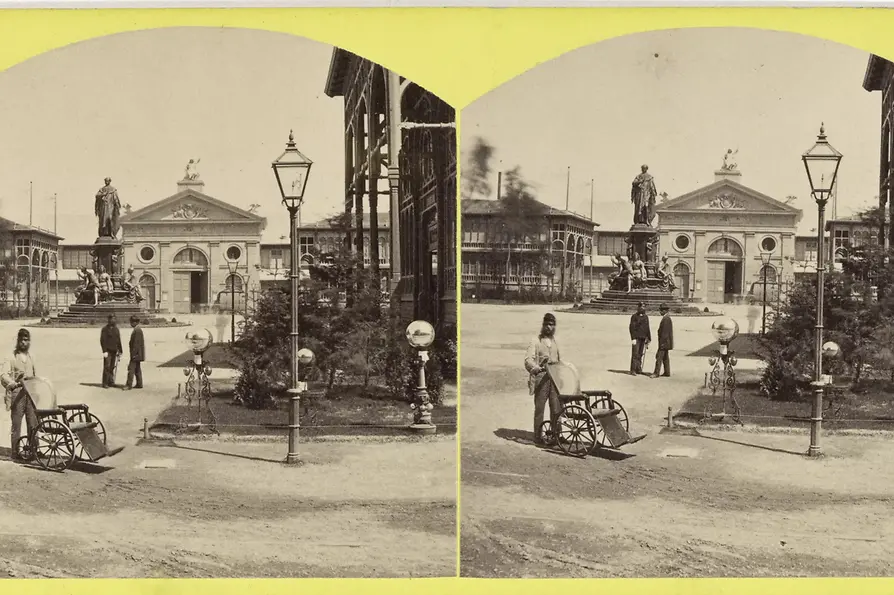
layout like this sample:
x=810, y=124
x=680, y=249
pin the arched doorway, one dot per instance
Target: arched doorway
x=725, y=270
x=190, y=281
x=147, y=289
x=681, y=279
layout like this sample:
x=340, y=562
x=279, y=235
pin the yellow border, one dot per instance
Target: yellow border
x=458, y=54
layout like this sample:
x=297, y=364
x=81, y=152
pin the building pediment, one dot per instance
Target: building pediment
x=727, y=197
x=190, y=206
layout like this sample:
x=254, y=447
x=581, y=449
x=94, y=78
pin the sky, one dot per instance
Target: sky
x=677, y=101
x=138, y=106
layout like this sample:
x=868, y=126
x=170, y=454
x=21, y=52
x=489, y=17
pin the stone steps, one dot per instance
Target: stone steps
x=621, y=302
x=86, y=315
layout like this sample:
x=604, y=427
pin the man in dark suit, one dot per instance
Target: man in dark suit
x=137, y=355
x=665, y=343
x=110, y=342
x=640, y=337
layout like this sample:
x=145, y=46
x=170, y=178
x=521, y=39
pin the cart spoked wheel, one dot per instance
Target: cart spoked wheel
x=577, y=431
x=54, y=445
x=85, y=417
x=547, y=434
x=606, y=403
x=23, y=449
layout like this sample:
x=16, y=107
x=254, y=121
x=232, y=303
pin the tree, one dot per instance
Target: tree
x=520, y=215
x=476, y=175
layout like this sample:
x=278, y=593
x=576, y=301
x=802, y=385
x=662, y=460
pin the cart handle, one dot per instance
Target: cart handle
x=79, y=407
x=597, y=393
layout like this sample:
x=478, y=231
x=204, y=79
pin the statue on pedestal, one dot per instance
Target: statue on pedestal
x=729, y=160
x=107, y=208
x=192, y=172
x=642, y=195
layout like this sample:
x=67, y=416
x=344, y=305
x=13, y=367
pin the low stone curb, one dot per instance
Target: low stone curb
x=172, y=439
x=791, y=431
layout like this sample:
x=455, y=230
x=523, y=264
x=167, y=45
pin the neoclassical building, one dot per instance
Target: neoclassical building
x=714, y=237
x=182, y=247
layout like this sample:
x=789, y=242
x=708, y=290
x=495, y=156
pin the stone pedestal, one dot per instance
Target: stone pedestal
x=643, y=240
x=107, y=253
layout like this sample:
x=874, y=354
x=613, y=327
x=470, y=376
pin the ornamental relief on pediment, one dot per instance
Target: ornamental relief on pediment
x=725, y=218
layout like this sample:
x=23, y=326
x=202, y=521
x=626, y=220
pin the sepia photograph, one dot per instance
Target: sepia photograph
x=228, y=312
x=677, y=312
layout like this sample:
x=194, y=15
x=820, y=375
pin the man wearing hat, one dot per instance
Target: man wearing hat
x=16, y=369
x=665, y=343
x=640, y=337
x=542, y=350
x=110, y=342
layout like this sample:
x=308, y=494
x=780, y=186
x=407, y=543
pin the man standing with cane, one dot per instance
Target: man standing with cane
x=137, y=355
x=110, y=342
x=665, y=342
x=640, y=337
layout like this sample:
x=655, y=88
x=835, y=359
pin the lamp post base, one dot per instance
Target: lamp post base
x=423, y=429
x=292, y=457
x=816, y=422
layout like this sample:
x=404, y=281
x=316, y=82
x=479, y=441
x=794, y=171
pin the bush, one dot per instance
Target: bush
x=356, y=340
x=37, y=309
x=788, y=348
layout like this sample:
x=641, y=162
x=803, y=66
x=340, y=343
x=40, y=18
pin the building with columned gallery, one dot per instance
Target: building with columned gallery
x=400, y=146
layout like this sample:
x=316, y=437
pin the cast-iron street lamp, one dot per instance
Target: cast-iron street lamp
x=821, y=162
x=420, y=336
x=291, y=170
x=233, y=266
x=765, y=259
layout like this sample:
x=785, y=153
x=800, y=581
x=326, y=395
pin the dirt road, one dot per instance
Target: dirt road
x=723, y=504
x=218, y=509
